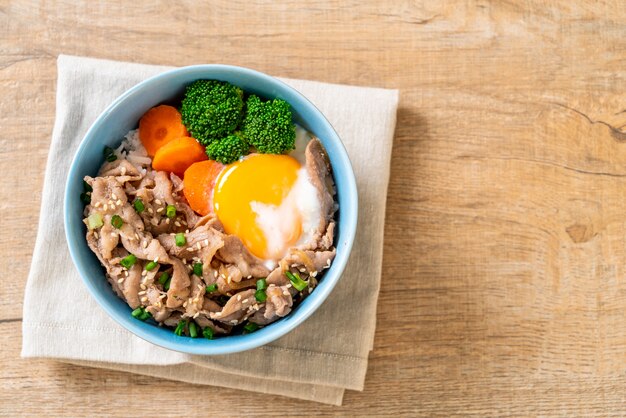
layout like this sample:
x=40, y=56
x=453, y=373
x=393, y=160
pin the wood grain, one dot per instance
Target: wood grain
x=503, y=290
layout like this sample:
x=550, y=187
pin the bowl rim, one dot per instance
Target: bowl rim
x=264, y=335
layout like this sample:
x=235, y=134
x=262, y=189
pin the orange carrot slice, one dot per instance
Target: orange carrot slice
x=160, y=125
x=178, y=154
x=198, y=185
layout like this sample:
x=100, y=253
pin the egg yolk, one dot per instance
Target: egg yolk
x=262, y=178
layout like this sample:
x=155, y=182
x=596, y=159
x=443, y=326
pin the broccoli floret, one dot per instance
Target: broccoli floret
x=268, y=126
x=211, y=109
x=228, y=149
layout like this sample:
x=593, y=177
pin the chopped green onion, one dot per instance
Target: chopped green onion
x=141, y=314
x=128, y=261
x=85, y=197
x=109, y=154
x=94, y=221
x=197, y=269
x=211, y=288
x=180, y=328
x=138, y=205
x=207, y=333
x=261, y=284
x=163, y=278
x=250, y=327
x=151, y=265
x=87, y=187
x=180, y=239
x=260, y=295
x=170, y=212
x=193, y=330
x=166, y=286
x=296, y=281
x=117, y=221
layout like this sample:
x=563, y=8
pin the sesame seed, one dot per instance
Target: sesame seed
x=96, y=205
x=119, y=202
x=105, y=207
x=143, y=292
x=167, y=221
x=310, y=289
x=288, y=285
x=228, y=294
x=218, y=314
x=249, y=276
x=328, y=262
x=184, y=261
x=162, y=296
x=120, y=280
x=150, y=210
x=244, y=301
x=198, y=245
x=144, y=244
x=136, y=236
x=286, y=293
x=228, y=280
x=302, y=270
x=112, y=203
x=215, y=273
x=143, y=273
x=177, y=223
x=123, y=170
x=223, y=275
x=238, y=297
x=294, y=265
x=159, y=210
x=157, y=201
x=196, y=315
x=234, y=322
x=314, y=273
x=195, y=300
x=206, y=241
x=144, y=299
x=184, y=222
x=95, y=234
x=186, y=231
x=143, y=287
x=185, y=304
x=113, y=196
x=126, y=273
x=156, y=259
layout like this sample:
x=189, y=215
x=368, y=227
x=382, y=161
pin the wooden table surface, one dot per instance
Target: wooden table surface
x=503, y=288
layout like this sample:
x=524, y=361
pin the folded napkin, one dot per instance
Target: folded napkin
x=325, y=355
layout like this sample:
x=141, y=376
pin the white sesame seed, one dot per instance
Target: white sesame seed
x=286, y=293
x=123, y=170
x=184, y=222
x=143, y=287
x=206, y=241
x=184, y=261
x=238, y=297
x=294, y=265
x=144, y=299
x=234, y=322
x=126, y=273
x=185, y=304
x=159, y=210
x=167, y=221
x=195, y=300
x=150, y=210
x=177, y=223
x=328, y=262
x=112, y=203
x=144, y=244
x=223, y=275
x=113, y=196
x=143, y=273
x=288, y=285
x=244, y=301
x=215, y=273
x=119, y=202
x=96, y=205
x=105, y=207
x=196, y=315
x=120, y=280
x=249, y=276
x=95, y=234
x=162, y=296
x=218, y=314
x=156, y=260
x=186, y=231
x=143, y=292
x=157, y=201
x=198, y=245
x=136, y=236
x=314, y=273
x=302, y=270
x=228, y=280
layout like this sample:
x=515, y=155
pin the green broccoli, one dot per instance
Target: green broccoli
x=211, y=109
x=228, y=149
x=268, y=126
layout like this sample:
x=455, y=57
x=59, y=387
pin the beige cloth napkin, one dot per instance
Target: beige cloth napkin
x=317, y=361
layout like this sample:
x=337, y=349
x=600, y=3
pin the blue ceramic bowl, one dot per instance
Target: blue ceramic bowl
x=122, y=116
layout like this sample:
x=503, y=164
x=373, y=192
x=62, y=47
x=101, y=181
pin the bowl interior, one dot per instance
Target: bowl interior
x=122, y=116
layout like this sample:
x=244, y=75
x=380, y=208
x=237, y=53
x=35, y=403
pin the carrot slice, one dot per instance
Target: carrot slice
x=198, y=185
x=160, y=125
x=178, y=154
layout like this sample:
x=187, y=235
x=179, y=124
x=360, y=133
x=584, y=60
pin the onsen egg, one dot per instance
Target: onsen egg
x=269, y=202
